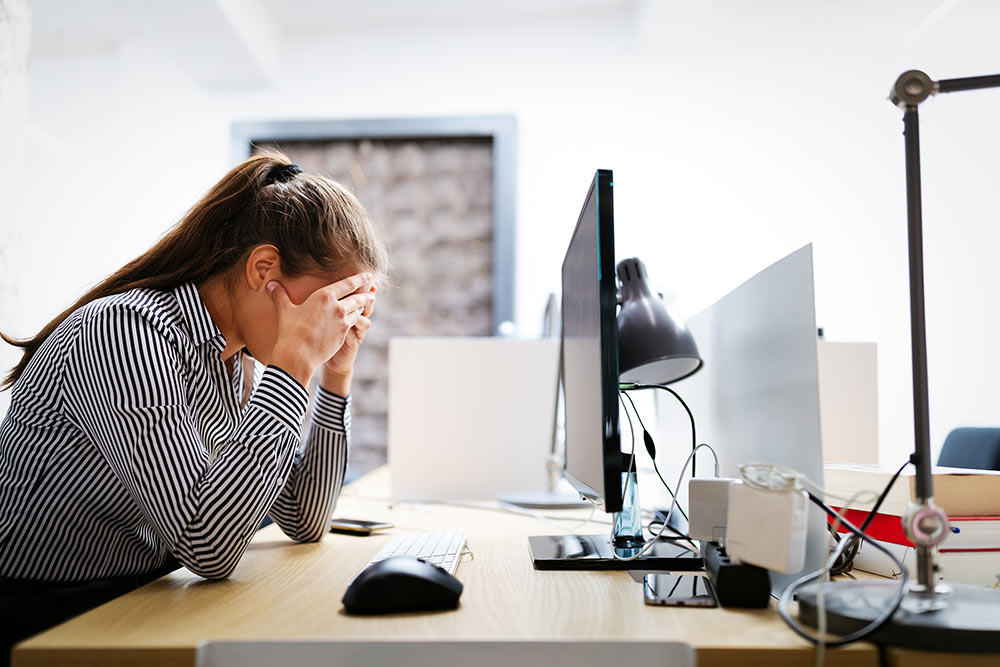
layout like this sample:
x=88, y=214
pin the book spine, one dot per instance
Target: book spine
x=884, y=527
x=967, y=532
x=979, y=567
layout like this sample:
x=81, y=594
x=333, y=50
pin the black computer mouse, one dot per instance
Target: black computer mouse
x=402, y=583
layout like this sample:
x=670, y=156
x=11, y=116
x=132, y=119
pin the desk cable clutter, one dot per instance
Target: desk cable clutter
x=750, y=526
x=736, y=583
x=760, y=521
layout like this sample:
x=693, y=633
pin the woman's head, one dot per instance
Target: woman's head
x=315, y=226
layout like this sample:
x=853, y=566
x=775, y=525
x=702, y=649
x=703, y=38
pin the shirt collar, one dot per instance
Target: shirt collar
x=196, y=315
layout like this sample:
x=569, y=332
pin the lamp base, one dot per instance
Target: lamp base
x=955, y=618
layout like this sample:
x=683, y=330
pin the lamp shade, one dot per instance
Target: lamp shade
x=653, y=348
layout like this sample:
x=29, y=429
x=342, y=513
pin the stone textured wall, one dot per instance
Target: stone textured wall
x=15, y=36
x=433, y=199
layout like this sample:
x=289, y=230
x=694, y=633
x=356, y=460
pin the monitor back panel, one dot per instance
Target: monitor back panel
x=757, y=397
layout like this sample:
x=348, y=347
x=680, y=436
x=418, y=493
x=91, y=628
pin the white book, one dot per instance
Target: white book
x=976, y=568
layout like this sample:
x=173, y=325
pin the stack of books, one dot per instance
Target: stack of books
x=971, y=498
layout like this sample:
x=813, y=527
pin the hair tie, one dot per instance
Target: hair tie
x=284, y=173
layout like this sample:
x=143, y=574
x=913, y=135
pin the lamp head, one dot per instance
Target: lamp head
x=653, y=348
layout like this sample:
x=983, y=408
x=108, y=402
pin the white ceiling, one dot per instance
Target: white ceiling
x=236, y=42
x=325, y=13
x=62, y=26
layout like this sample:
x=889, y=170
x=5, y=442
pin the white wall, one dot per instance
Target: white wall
x=15, y=39
x=738, y=132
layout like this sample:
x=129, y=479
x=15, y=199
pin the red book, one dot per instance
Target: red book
x=968, y=533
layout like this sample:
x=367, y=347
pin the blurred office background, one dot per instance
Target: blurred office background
x=738, y=132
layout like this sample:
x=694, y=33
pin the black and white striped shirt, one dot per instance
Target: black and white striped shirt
x=125, y=443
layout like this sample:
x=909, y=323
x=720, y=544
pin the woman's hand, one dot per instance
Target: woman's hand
x=313, y=332
x=339, y=369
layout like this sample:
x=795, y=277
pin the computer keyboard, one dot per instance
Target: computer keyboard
x=442, y=548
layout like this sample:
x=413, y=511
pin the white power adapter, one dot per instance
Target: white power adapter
x=767, y=528
x=708, y=501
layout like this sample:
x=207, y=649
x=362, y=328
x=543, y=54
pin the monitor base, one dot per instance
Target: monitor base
x=964, y=619
x=545, y=500
x=594, y=552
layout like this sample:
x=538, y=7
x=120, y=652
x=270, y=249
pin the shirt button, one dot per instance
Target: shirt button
x=279, y=482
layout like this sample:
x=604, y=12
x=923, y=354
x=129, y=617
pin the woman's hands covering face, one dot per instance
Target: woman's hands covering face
x=326, y=328
x=342, y=363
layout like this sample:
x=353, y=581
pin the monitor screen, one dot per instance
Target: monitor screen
x=590, y=350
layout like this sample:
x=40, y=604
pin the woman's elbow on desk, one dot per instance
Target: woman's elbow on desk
x=208, y=560
x=304, y=534
x=213, y=572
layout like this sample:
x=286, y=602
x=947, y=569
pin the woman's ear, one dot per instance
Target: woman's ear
x=263, y=265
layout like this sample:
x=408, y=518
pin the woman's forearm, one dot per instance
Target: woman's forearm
x=303, y=508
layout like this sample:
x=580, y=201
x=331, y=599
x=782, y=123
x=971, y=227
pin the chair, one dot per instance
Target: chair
x=971, y=448
x=437, y=654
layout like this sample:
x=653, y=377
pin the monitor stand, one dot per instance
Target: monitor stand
x=606, y=552
x=595, y=552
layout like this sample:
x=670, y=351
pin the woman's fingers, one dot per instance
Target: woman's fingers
x=370, y=307
x=350, y=319
x=356, y=336
x=349, y=285
x=357, y=303
x=362, y=326
x=280, y=296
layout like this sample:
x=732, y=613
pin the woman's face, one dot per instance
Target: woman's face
x=260, y=315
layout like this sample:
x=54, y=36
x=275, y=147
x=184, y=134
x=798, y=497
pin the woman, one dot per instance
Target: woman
x=158, y=419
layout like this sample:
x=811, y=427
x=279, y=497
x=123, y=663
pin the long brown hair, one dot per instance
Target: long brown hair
x=315, y=223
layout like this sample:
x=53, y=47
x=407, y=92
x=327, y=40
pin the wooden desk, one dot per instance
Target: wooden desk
x=287, y=590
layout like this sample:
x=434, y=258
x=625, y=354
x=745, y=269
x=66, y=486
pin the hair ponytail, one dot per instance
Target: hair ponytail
x=313, y=221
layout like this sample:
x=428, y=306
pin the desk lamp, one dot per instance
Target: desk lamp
x=931, y=616
x=653, y=350
x=652, y=347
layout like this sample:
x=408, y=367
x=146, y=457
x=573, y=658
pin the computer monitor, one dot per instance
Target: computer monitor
x=590, y=350
x=594, y=462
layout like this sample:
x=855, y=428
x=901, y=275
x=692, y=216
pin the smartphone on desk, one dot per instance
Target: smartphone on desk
x=690, y=589
x=358, y=526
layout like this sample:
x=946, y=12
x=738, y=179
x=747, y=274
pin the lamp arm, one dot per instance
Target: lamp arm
x=968, y=83
x=918, y=329
x=925, y=524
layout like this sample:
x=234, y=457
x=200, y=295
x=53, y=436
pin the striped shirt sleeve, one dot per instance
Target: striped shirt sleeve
x=303, y=508
x=125, y=389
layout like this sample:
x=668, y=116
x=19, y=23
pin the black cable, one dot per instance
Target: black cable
x=883, y=655
x=676, y=537
x=845, y=562
x=649, y=526
x=652, y=454
x=694, y=434
x=881, y=498
x=872, y=627
x=851, y=551
x=632, y=455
